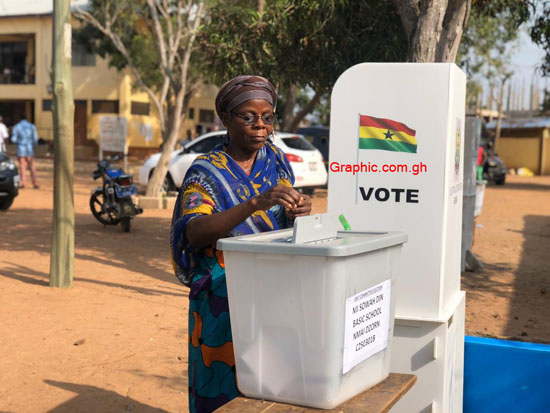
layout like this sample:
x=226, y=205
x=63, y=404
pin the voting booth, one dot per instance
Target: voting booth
x=396, y=164
x=312, y=310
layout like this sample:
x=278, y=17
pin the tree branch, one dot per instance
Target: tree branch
x=293, y=127
x=106, y=30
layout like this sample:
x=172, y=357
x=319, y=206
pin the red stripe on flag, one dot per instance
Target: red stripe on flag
x=385, y=124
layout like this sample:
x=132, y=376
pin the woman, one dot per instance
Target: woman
x=242, y=187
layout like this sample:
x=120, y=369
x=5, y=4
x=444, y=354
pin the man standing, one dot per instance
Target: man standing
x=4, y=135
x=25, y=136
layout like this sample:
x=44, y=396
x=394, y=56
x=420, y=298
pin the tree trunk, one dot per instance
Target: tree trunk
x=456, y=17
x=176, y=114
x=425, y=38
x=155, y=183
x=62, y=252
x=434, y=27
x=288, y=109
x=295, y=122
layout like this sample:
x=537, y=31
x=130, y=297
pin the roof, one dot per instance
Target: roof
x=9, y=8
x=523, y=123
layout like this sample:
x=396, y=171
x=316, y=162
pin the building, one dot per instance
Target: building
x=25, y=85
x=525, y=142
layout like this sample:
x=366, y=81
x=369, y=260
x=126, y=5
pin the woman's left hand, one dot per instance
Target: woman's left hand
x=303, y=208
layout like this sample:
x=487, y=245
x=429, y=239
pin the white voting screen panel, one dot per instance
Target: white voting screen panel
x=421, y=192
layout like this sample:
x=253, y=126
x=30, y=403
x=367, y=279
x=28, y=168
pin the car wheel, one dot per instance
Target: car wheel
x=500, y=180
x=168, y=184
x=6, y=202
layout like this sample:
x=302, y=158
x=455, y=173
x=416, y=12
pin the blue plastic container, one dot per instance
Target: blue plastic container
x=506, y=376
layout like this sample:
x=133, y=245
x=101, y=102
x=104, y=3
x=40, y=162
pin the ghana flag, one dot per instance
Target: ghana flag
x=385, y=134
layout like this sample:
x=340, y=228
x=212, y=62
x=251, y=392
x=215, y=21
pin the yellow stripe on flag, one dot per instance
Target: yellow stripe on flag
x=370, y=132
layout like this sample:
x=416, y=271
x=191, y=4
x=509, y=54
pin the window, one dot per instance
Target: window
x=80, y=56
x=206, y=144
x=206, y=116
x=297, y=142
x=14, y=67
x=191, y=113
x=140, y=108
x=105, y=106
x=46, y=105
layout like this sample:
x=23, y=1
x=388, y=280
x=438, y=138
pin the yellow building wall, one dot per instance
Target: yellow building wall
x=520, y=152
x=97, y=82
x=545, y=170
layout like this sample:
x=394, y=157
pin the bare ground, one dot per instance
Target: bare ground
x=116, y=341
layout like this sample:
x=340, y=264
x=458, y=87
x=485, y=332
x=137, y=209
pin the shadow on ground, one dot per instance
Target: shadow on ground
x=532, y=285
x=94, y=399
x=530, y=186
x=143, y=250
x=31, y=276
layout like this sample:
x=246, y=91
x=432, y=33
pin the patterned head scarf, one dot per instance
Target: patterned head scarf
x=242, y=88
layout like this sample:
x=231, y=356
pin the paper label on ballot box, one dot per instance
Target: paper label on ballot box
x=366, y=324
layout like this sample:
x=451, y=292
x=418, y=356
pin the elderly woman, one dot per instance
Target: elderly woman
x=243, y=186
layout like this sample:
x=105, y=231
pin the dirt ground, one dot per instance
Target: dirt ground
x=116, y=341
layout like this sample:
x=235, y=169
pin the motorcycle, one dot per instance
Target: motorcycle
x=112, y=202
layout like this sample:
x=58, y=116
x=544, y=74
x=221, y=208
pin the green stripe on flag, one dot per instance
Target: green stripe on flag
x=386, y=145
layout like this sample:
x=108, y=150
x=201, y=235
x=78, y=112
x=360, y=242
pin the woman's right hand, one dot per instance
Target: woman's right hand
x=278, y=195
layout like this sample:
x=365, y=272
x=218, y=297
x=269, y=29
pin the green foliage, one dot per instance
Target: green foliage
x=492, y=28
x=488, y=42
x=303, y=42
x=540, y=32
x=135, y=30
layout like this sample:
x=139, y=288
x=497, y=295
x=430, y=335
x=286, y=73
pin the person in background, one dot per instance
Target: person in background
x=4, y=135
x=25, y=137
x=243, y=186
x=481, y=159
x=189, y=138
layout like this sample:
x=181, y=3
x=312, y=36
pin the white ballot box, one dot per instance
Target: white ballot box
x=396, y=164
x=312, y=310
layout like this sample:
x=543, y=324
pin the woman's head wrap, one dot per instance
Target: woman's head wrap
x=242, y=88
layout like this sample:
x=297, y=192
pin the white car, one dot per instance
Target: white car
x=306, y=161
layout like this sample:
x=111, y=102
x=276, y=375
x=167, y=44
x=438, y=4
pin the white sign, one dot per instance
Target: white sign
x=366, y=324
x=112, y=133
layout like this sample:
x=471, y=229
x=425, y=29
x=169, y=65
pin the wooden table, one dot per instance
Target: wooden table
x=377, y=399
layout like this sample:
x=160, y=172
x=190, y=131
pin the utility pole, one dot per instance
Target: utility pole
x=62, y=254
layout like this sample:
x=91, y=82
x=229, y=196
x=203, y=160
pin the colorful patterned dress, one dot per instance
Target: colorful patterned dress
x=214, y=183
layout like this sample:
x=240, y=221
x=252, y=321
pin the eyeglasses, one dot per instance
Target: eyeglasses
x=248, y=119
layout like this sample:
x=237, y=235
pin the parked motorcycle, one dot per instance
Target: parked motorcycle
x=112, y=202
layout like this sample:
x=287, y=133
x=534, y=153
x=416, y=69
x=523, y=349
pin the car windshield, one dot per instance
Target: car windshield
x=297, y=142
x=206, y=144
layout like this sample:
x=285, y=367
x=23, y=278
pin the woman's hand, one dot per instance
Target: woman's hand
x=278, y=195
x=302, y=209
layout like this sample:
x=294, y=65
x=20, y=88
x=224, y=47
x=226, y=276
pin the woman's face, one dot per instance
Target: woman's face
x=249, y=136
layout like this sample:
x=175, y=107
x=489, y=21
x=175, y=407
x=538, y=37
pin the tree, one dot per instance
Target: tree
x=487, y=45
x=540, y=31
x=154, y=40
x=62, y=253
x=434, y=27
x=299, y=44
